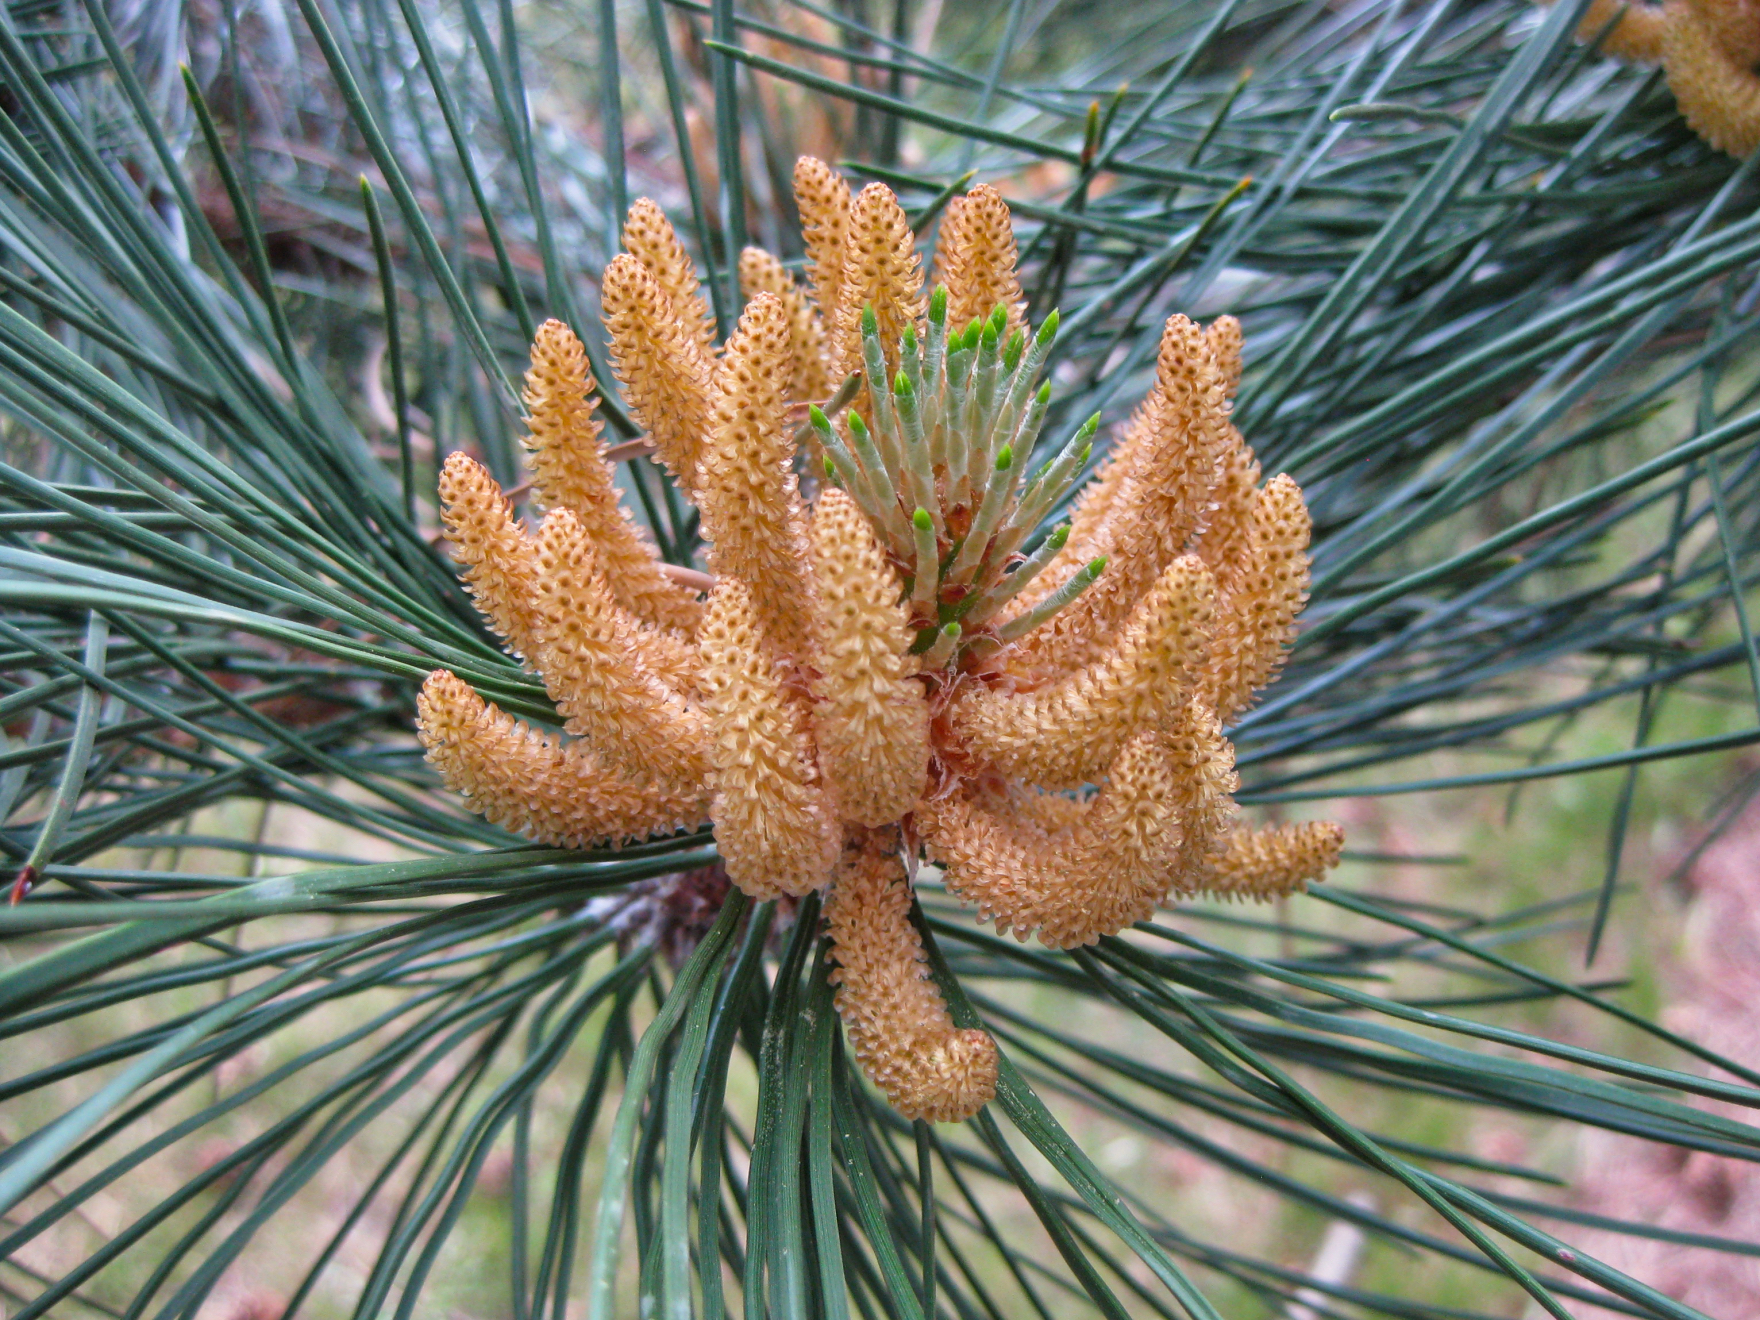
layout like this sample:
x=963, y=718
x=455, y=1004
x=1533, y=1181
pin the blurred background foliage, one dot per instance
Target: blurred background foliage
x=286, y=1031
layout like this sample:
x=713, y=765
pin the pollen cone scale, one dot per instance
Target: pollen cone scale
x=895, y=650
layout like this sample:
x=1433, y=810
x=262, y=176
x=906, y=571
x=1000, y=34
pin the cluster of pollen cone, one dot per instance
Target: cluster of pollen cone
x=1708, y=49
x=894, y=665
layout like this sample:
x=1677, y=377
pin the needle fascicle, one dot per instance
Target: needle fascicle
x=937, y=656
x=1077, y=584
x=1014, y=583
x=918, y=460
x=990, y=508
x=928, y=579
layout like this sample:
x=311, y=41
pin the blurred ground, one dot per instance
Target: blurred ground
x=1710, y=983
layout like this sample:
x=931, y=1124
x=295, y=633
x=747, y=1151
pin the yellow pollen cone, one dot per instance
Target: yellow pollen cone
x=975, y=258
x=1274, y=862
x=1637, y=35
x=567, y=459
x=1710, y=52
x=1226, y=342
x=747, y=491
x=759, y=272
x=1713, y=77
x=666, y=377
x=1223, y=544
x=648, y=236
x=1108, y=868
x=1065, y=734
x=776, y=826
x=487, y=539
x=1256, y=614
x=870, y=719
x=881, y=270
x=532, y=784
x=1160, y=503
x=898, y=1025
x=1204, y=783
x=823, y=199
x=595, y=668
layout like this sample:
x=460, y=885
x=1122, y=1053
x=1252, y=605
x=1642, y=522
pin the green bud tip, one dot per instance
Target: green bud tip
x=856, y=423
x=969, y=336
x=816, y=415
x=1048, y=331
x=1045, y=395
x=1060, y=536
x=1091, y=425
x=999, y=318
x=988, y=337
x=1094, y=568
x=870, y=322
x=938, y=304
x=909, y=338
x=902, y=386
x=1005, y=458
x=922, y=520
x=1011, y=352
x=830, y=470
x=1082, y=458
x=950, y=631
